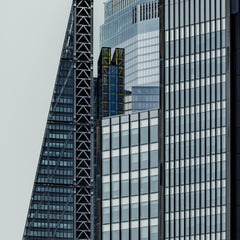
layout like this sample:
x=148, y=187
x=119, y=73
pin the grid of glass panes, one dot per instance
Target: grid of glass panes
x=140, y=41
x=50, y=214
x=195, y=119
x=130, y=176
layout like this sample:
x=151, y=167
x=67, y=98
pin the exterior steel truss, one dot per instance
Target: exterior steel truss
x=83, y=120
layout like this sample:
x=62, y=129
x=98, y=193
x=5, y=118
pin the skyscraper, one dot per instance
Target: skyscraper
x=129, y=180
x=110, y=83
x=60, y=207
x=134, y=26
x=195, y=144
x=181, y=160
x=198, y=132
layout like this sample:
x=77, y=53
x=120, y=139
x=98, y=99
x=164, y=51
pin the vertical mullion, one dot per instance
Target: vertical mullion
x=110, y=157
x=120, y=177
x=149, y=177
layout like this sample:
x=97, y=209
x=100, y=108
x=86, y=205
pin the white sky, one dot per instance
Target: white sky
x=31, y=38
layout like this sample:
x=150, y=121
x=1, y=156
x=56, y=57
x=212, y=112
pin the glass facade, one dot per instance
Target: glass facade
x=51, y=211
x=134, y=26
x=129, y=176
x=109, y=86
x=145, y=97
x=194, y=53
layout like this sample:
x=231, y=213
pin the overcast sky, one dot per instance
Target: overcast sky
x=31, y=38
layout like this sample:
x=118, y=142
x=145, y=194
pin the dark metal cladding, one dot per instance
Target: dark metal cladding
x=235, y=79
x=83, y=119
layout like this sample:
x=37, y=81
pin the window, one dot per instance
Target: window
x=125, y=188
x=115, y=164
x=106, y=215
x=134, y=136
x=115, y=214
x=125, y=212
x=124, y=163
x=115, y=189
x=134, y=211
x=115, y=140
x=154, y=209
x=154, y=133
x=105, y=166
x=144, y=131
x=106, y=141
x=125, y=138
x=144, y=185
x=144, y=160
x=106, y=191
x=144, y=210
x=154, y=184
x=134, y=186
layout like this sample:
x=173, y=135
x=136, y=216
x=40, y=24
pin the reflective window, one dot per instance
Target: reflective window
x=154, y=133
x=134, y=211
x=125, y=234
x=144, y=185
x=125, y=188
x=115, y=189
x=144, y=135
x=115, y=234
x=106, y=215
x=115, y=214
x=134, y=186
x=124, y=138
x=125, y=212
x=106, y=235
x=115, y=165
x=115, y=140
x=106, y=191
x=154, y=184
x=154, y=209
x=144, y=233
x=134, y=161
x=106, y=141
x=105, y=166
x=144, y=160
x=124, y=163
x=144, y=210
x=134, y=234
x=153, y=158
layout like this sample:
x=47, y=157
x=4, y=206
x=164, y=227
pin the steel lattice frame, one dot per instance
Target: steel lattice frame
x=83, y=78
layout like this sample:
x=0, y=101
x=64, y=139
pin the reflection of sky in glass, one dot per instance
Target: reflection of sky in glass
x=140, y=41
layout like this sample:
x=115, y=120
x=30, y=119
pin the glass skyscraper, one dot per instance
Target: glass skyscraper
x=134, y=26
x=167, y=173
x=60, y=206
x=129, y=175
x=109, y=86
x=51, y=209
x=195, y=105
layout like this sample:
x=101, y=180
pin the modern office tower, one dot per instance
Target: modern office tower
x=60, y=206
x=195, y=148
x=51, y=208
x=110, y=83
x=108, y=100
x=134, y=26
x=144, y=97
x=129, y=176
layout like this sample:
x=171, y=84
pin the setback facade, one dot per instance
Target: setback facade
x=134, y=26
x=129, y=171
